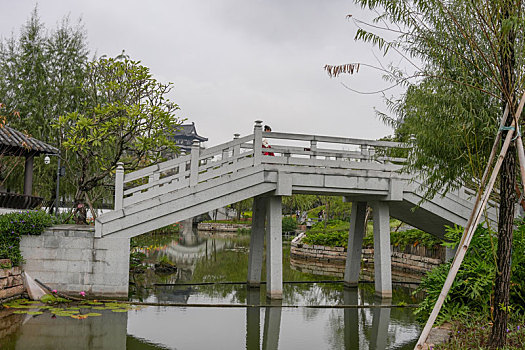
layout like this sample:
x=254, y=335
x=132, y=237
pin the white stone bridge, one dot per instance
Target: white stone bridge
x=208, y=179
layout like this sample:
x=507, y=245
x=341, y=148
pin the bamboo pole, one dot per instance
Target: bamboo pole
x=472, y=223
x=521, y=157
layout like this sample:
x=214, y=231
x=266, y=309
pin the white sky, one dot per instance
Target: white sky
x=235, y=61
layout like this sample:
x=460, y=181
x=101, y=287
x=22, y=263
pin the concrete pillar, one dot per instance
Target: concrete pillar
x=194, y=165
x=274, y=249
x=313, y=148
x=235, y=152
x=255, y=259
x=382, y=255
x=119, y=186
x=355, y=243
x=272, y=326
x=351, y=319
x=257, y=142
x=380, y=321
x=253, y=319
x=28, y=175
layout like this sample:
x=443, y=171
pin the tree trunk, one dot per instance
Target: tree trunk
x=498, y=334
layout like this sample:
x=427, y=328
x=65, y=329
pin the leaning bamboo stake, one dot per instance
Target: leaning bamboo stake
x=471, y=227
x=521, y=157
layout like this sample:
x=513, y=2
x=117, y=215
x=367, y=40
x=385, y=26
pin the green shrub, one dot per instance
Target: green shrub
x=334, y=233
x=472, y=291
x=14, y=225
x=289, y=224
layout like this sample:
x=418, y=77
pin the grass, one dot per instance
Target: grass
x=474, y=333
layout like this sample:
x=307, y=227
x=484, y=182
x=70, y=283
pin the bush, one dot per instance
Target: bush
x=14, y=225
x=334, y=234
x=472, y=291
x=289, y=224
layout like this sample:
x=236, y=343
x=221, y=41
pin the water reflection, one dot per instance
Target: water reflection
x=257, y=323
x=253, y=319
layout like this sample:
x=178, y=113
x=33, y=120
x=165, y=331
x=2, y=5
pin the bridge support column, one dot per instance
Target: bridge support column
x=272, y=326
x=382, y=255
x=274, y=246
x=255, y=259
x=355, y=243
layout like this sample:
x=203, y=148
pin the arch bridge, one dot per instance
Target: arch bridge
x=359, y=170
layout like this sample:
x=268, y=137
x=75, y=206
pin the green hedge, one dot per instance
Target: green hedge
x=335, y=234
x=14, y=225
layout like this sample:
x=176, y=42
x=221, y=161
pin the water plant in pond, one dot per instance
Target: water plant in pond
x=77, y=311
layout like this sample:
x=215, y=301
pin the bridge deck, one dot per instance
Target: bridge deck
x=204, y=180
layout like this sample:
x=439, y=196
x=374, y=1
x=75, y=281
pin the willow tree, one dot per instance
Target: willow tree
x=41, y=74
x=464, y=66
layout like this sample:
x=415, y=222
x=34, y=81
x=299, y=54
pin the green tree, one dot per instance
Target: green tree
x=41, y=74
x=126, y=118
x=467, y=59
x=300, y=202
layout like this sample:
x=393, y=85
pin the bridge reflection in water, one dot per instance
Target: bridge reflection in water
x=256, y=323
x=354, y=331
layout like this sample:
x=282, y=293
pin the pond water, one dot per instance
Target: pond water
x=209, y=314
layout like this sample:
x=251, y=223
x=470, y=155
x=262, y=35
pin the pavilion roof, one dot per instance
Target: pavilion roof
x=16, y=143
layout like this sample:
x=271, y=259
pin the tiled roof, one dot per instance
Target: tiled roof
x=14, y=142
x=188, y=130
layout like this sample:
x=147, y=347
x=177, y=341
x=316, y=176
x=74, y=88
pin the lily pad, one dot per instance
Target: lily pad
x=119, y=310
x=79, y=317
x=93, y=314
x=28, y=312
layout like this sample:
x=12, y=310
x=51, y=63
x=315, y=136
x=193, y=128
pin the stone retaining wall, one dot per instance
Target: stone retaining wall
x=70, y=259
x=216, y=226
x=11, y=280
x=321, y=257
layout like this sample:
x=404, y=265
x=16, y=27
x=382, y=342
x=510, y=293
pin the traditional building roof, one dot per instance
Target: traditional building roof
x=15, y=143
x=184, y=136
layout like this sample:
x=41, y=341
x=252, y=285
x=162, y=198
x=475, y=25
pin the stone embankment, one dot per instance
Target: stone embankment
x=11, y=280
x=221, y=227
x=331, y=260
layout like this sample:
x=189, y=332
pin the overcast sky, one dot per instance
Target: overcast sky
x=235, y=61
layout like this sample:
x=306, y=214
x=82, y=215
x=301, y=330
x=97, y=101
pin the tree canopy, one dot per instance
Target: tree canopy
x=126, y=117
x=465, y=60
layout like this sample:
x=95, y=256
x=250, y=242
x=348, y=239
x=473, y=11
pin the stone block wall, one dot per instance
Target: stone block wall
x=321, y=257
x=222, y=227
x=70, y=259
x=11, y=280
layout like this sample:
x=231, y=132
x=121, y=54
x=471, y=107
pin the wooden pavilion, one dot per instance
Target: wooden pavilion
x=16, y=143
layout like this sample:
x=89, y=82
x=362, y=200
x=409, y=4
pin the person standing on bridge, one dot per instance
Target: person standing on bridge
x=265, y=143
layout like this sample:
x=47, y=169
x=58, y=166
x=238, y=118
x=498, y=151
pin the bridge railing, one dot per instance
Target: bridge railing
x=246, y=152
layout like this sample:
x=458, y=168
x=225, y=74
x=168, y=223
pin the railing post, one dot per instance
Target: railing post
x=371, y=152
x=313, y=148
x=236, y=148
x=194, y=165
x=236, y=151
x=364, y=152
x=119, y=186
x=154, y=177
x=257, y=142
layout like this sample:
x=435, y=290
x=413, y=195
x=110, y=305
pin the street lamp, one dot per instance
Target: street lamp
x=61, y=171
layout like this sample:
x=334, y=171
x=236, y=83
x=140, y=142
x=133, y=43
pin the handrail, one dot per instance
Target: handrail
x=202, y=165
x=333, y=139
